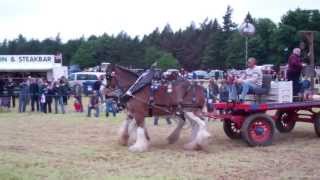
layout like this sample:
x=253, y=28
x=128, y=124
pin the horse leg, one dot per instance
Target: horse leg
x=147, y=134
x=174, y=136
x=124, y=131
x=133, y=131
x=192, y=145
x=201, y=137
x=142, y=142
x=194, y=129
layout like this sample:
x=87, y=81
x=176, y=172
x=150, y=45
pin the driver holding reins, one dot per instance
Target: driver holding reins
x=145, y=79
x=251, y=80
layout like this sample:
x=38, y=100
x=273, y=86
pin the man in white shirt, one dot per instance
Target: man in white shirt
x=251, y=80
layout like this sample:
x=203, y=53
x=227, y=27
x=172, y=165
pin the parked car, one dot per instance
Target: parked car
x=200, y=74
x=170, y=71
x=87, y=87
x=82, y=77
x=218, y=74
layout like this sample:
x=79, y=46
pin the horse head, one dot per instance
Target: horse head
x=119, y=77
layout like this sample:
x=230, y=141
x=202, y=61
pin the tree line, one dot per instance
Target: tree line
x=209, y=45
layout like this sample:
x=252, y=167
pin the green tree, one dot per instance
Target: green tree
x=167, y=61
x=261, y=44
x=228, y=24
x=212, y=56
x=84, y=56
x=70, y=48
x=164, y=60
x=235, y=56
x=249, y=18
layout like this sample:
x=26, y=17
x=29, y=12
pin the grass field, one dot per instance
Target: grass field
x=72, y=146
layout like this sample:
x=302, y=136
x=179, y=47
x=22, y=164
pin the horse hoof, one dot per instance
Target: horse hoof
x=135, y=148
x=192, y=146
x=202, y=137
x=172, y=139
x=204, y=146
x=124, y=140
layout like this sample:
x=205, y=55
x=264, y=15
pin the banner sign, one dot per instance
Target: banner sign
x=27, y=62
x=26, y=58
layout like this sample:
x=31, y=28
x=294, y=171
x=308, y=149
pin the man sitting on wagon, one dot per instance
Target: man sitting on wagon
x=250, y=80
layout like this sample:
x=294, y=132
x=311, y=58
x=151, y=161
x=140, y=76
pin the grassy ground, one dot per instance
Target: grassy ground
x=72, y=146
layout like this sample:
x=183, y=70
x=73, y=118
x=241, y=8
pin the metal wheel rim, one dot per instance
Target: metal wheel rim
x=260, y=130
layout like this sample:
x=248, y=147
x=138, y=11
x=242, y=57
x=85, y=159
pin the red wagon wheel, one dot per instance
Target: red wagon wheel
x=285, y=121
x=231, y=129
x=258, y=130
x=317, y=124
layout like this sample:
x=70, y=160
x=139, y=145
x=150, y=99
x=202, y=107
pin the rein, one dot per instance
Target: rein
x=117, y=88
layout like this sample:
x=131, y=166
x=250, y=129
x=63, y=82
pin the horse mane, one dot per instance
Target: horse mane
x=127, y=70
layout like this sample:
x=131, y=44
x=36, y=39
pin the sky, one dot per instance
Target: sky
x=39, y=19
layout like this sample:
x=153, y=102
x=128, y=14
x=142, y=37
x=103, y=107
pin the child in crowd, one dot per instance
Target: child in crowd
x=77, y=105
x=43, y=102
x=49, y=97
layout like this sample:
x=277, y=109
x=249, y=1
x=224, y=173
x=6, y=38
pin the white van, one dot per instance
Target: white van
x=82, y=77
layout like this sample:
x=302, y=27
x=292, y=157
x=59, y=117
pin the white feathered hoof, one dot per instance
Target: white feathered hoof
x=141, y=144
x=202, y=139
x=139, y=148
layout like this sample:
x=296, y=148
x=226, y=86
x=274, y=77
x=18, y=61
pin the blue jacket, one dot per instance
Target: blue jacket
x=24, y=90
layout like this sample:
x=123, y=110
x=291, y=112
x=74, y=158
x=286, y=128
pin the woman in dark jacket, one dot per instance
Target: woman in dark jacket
x=23, y=96
x=294, y=70
x=58, y=97
x=65, y=90
x=10, y=87
x=34, y=94
x=49, y=96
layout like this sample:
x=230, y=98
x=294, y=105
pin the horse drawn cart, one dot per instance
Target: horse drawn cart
x=256, y=124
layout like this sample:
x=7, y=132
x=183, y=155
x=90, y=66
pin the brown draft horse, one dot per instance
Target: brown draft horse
x=185, y=101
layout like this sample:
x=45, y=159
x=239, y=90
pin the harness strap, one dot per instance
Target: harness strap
x=191, y=87
x=193, y=93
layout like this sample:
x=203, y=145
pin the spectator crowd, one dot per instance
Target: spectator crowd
x=38, y=95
